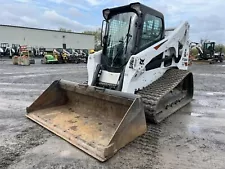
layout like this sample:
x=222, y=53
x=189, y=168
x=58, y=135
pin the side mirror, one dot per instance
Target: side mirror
x=103, y=32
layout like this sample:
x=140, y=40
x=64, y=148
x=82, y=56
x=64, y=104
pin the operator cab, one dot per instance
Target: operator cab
x=129, y=30
x=4, y=45
x=15, y=49
x=6, y=49
x=208, y=50
x=60, y=50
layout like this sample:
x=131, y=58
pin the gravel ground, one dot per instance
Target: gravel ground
x=191, y=138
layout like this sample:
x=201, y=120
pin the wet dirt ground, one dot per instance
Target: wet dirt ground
x=194, y=137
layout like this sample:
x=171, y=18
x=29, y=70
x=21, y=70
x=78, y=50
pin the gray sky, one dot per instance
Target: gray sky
x=206, y=18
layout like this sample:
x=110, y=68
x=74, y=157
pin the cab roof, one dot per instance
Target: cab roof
x=136, y=7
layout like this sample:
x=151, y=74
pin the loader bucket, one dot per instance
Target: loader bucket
x=97, y=121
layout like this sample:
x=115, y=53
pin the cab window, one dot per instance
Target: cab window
x=151, y=32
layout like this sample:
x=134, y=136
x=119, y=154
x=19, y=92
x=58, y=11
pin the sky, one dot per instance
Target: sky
x=206, y=18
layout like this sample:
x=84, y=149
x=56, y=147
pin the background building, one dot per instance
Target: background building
x=49, y=39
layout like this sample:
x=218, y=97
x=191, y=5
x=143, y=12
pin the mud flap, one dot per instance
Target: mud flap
x=95, y=120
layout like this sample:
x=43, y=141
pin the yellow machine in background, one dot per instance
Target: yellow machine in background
x=60, y=55
x=91, y=51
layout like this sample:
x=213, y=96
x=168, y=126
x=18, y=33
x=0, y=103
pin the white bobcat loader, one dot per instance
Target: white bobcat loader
x=141, y=74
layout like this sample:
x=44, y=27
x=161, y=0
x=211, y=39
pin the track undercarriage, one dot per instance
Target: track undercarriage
x=167, y=94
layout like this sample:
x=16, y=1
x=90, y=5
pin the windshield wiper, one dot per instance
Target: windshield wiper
x=128, y=36
x=119, y=52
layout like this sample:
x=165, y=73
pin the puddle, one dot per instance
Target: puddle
x=221, y=75
x=204, y=103
x=208, y=93
x=194, y=129
x=196, y=115
x=220, y=65
x=215, y=93
x=219, y=113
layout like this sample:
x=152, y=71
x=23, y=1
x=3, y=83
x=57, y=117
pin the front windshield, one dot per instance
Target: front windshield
x=119, y=39
x=209, y=46
x=59, y=50
x=69, y=50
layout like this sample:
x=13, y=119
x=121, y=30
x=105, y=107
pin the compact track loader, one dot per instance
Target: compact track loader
x=140, y=74
x=72, y=56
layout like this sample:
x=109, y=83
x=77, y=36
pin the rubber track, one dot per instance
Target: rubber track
x=153, y=93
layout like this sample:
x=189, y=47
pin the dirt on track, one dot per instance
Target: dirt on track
x=194, y=137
